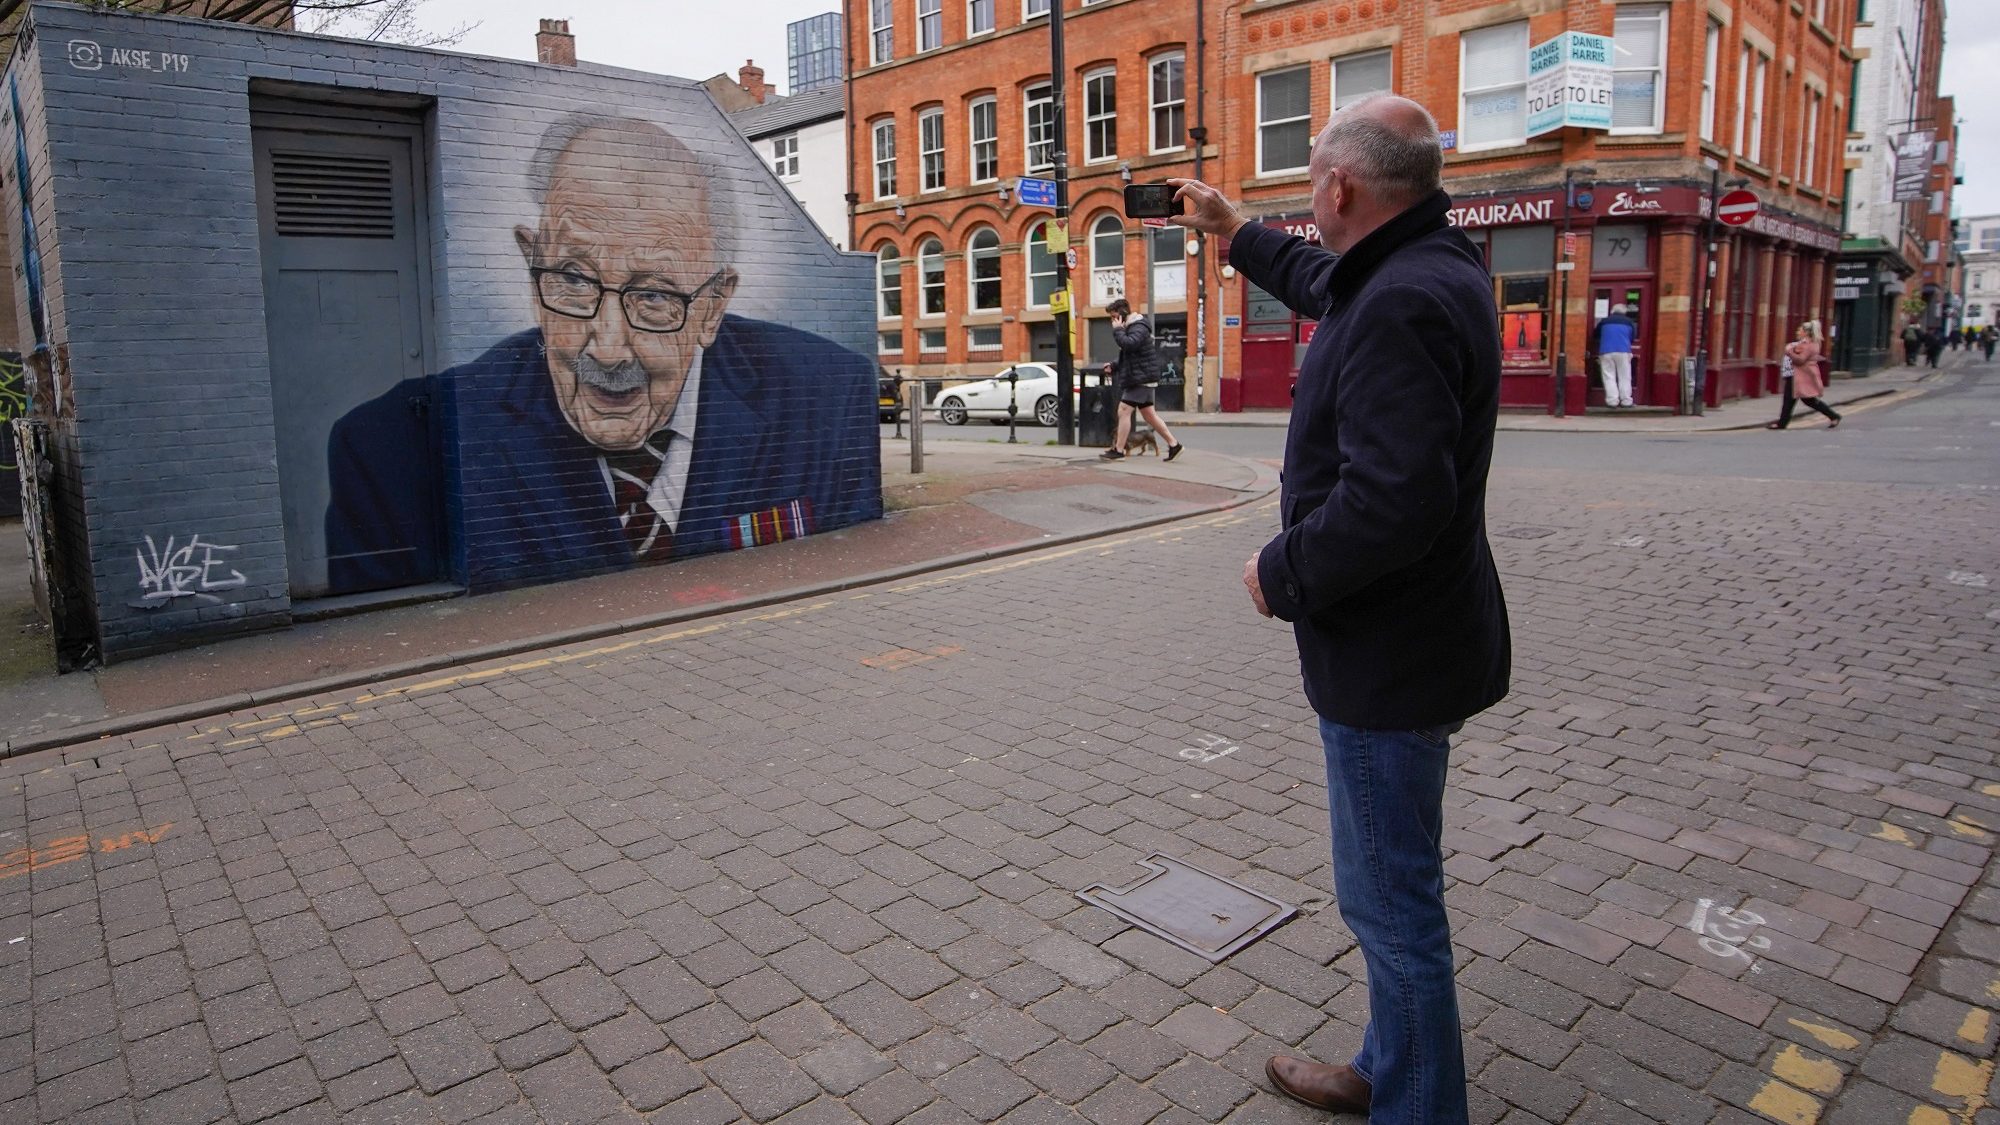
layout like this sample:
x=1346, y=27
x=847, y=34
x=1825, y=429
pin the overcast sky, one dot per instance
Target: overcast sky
x=654, y=35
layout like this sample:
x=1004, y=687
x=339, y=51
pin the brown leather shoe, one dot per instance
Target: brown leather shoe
x=1334, y=1088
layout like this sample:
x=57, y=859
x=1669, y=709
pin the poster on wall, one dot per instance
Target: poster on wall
x=1569, y=83
x=1521, y=338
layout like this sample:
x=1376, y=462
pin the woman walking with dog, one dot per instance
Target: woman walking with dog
x=1138, y=374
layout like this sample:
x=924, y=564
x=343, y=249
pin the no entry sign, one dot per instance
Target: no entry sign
x=1737, y=208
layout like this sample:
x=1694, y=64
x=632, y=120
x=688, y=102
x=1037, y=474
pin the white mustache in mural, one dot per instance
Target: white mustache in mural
x=618, y=379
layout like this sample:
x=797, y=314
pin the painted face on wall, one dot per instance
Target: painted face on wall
x=627, y=280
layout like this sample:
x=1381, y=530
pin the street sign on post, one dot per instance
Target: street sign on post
x=1737, y=208
x=1035, y=193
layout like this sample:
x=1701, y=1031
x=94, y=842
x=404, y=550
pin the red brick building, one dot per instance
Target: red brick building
x=1756, y=91
x=950, y=103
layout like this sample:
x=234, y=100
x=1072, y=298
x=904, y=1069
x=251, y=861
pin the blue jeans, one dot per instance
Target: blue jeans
x=1385, y=792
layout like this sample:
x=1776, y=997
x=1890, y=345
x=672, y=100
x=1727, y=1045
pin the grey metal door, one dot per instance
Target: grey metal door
x=344, y=293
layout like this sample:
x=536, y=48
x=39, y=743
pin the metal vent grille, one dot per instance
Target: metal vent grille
x=333, y=195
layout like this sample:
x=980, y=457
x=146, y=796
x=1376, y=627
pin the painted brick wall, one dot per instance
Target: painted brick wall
x=145, y=194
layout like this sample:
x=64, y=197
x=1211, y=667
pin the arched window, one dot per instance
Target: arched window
x=930, y=275
x=982, y=269
x=1041, y=267
x=1167, y=247
x=888, y=283
x=1107, y=260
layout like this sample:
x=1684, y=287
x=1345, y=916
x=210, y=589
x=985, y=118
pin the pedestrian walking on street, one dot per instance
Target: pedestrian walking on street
x=1614, y=356
x=1138, y=375
x=1933, y=347
x=1383, y=567
x=1802, y=373
x=1988, y=336
x=1913, y=338
x=1951, y=339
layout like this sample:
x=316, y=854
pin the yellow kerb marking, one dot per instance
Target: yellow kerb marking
x=1974, y=1027
x=1963, y=1080
x=1832, y=1037
x=1806, y=1071
x=1929, y=1115
x=1964, y=825
x=1894, y=835
x=1991, y=789
x=1780, y=1102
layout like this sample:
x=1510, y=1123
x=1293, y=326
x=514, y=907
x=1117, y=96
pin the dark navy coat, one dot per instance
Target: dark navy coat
x=1383, y=565
x=785, y=442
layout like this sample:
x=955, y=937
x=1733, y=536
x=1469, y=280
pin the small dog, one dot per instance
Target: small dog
x=1141, y=440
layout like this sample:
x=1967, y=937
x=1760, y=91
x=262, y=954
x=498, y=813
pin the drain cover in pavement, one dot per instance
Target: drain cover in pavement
x=1197, y=910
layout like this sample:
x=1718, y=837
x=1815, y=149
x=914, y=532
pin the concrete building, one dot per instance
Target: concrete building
x=1899, y=48
x=321, y=324
x=1982, y=287
x=804, y=138
x=1978, y=232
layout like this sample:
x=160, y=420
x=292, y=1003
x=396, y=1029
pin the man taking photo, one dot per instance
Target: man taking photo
x=1383, y=567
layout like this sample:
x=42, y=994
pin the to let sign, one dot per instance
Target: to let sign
x=1737, y=208
x=1569, y=83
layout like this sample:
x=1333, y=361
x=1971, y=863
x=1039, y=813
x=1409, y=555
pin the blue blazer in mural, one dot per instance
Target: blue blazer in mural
x=785, y=442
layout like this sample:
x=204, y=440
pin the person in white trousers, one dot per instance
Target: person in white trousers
x=1614, y=355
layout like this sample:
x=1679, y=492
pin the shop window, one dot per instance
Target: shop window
x=982, y=266
x=1618, y=249
x=1522, y=260
x=1493, y=87
x=1740, y=308
x=1041, y=267
x=1357, y=76
x=1284, y=133
x=1107, y=260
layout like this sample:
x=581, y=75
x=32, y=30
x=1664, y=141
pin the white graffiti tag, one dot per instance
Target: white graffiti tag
x=185, y=570
x=1727, y=932
x=1208, y=748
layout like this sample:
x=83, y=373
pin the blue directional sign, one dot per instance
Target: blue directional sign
x=1036, y=193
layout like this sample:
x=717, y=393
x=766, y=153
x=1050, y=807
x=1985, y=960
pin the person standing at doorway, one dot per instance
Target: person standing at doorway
x=1138, y=375
x=1800, y=374
x=1614, y=355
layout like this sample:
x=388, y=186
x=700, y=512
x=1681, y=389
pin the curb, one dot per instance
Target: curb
x=1265, y=483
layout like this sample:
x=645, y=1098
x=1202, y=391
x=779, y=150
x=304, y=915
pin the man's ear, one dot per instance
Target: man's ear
x=527, y=239
x=711, y=319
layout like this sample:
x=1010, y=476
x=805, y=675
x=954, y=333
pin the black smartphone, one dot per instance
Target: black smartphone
x=1152, y=201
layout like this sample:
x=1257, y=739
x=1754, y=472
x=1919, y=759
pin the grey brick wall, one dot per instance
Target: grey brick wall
x=144, y=193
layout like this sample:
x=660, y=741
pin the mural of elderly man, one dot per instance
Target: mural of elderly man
x=639, y=420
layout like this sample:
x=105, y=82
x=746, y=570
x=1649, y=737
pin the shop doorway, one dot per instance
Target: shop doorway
x=1272, y=348
x=1637, y=297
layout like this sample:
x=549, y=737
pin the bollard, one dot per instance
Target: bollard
x=916, y=426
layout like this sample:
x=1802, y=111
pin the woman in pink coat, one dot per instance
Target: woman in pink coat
x=1799, y=372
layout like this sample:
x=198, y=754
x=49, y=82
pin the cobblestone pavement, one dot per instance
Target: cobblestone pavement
x=1724, y=856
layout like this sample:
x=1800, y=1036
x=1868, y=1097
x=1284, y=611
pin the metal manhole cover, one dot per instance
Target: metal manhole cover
x=1524, y=532
x=1200, y=911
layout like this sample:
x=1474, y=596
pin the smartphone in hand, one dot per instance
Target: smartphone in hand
x=1152, y=201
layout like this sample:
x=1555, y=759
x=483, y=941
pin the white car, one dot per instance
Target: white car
x=988, y=398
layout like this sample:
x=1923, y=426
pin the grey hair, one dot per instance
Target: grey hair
x=1621, y=310
x=1404, y=164
x=649, y=142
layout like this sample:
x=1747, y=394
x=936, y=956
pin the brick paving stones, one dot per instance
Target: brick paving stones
x=1725, y=855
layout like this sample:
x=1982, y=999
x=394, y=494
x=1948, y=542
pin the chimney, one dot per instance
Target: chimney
x=750, y=76
x=554, y=44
